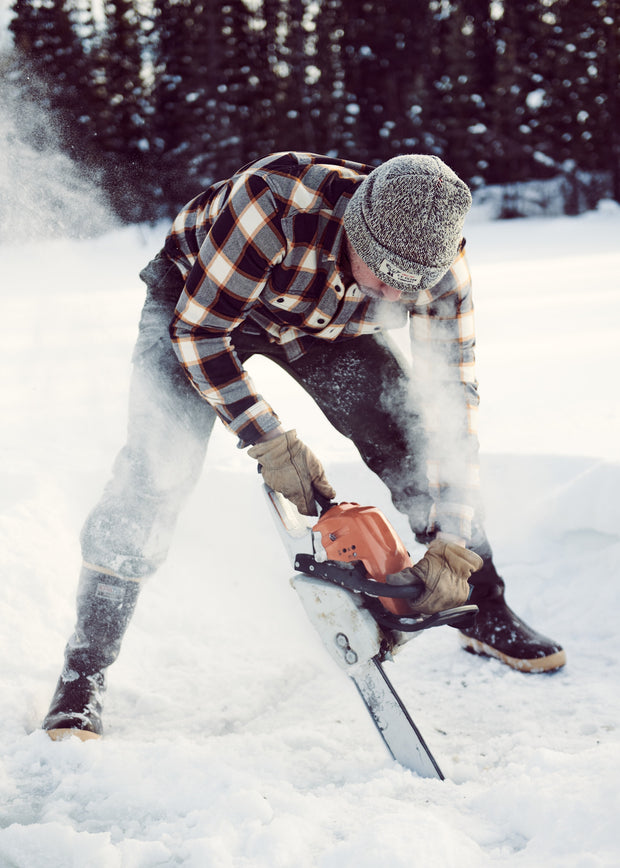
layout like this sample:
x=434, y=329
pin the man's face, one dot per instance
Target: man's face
x=367, y=282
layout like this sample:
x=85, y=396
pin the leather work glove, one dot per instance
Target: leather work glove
x=288, y=466
x=444, y=569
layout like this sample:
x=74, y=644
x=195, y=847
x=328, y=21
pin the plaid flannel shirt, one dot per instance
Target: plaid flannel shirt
x=267, y=245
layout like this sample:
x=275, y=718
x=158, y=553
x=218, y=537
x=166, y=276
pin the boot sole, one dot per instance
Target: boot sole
x=536, y=664
x=61, y=734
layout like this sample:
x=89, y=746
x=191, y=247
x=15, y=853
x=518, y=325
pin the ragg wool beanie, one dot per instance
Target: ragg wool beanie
x=405, y=221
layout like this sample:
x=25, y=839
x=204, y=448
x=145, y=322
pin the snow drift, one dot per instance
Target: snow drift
x=232, y=740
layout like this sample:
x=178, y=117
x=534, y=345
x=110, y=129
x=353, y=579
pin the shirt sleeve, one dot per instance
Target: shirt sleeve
x=243, y=244
x=442, y=345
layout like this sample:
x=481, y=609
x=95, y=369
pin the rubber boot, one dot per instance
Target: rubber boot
x=105, y=605
x=498, y=632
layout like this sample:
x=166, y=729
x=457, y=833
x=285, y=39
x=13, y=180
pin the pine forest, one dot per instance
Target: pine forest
x=158, y=99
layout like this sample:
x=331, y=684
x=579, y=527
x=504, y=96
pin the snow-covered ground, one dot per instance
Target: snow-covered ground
x=232, y=740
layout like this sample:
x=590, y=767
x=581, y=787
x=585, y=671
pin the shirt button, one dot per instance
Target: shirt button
x=320, y=320
x=279, y=300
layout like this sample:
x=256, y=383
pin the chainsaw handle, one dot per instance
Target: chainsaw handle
x=324, y=503
x=354, y=579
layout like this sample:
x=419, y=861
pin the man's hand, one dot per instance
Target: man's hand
x=288, y=466
x=444, y=569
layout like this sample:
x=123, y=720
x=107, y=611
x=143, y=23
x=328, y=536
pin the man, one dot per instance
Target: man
x=309, y=261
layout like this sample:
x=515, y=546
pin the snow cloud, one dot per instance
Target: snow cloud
x=43, y=194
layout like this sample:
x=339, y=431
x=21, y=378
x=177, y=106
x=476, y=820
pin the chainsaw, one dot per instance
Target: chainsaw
x=342, y=561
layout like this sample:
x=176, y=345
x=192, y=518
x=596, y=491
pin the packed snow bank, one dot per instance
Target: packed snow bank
x=232, y=740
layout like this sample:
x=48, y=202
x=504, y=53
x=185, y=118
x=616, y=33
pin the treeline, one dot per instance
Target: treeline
x=161, y=98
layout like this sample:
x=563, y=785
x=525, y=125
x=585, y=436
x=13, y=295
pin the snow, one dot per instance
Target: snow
x=231, y=737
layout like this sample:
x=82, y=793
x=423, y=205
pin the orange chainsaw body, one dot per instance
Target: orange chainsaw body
x=350, y=533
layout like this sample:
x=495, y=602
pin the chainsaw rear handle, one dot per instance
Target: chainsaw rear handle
x=324, y=503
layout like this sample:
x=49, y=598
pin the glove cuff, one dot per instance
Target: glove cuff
x=274, y=448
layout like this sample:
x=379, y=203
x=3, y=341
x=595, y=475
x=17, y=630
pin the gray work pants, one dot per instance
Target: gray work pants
x=360, y=385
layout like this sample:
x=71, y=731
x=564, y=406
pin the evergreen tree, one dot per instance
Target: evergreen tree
x=185, y=98
x=386, y=67
x=164, y=105
x=266, y=76
x=248, y=103
x=480, y=59
x=328, y=97
x=213, y=108
x=448, y=110
x=521, y=36
x=118, y=85
x=120, y=141
x=582, y=107
x=609, y=53
x=52, y=66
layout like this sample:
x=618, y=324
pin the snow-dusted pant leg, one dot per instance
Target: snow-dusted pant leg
x=128, y=533
x=363, y=389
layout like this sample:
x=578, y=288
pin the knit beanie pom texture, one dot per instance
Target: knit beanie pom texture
x=405, y=221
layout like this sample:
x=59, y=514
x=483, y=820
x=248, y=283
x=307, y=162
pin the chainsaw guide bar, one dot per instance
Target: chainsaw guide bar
x=341, y=562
